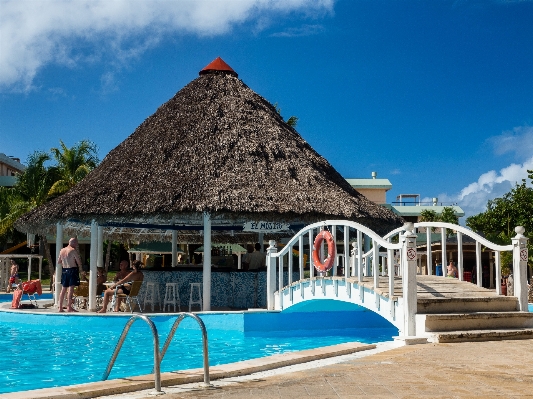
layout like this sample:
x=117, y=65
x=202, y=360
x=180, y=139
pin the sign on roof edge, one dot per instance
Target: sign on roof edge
x=266, y=227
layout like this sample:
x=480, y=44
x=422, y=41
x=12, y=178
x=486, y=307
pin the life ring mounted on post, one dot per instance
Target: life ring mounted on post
x=328, y=262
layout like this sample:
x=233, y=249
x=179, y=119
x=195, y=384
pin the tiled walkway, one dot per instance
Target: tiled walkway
x=495, y=369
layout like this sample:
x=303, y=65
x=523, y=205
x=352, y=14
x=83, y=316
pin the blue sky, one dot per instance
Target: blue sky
x=436, y=96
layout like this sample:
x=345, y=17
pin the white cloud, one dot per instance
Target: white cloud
x=518, y=141
x=35, y=34
x=474, y=197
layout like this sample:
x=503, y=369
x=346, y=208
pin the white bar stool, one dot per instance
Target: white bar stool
x=152, y=296
x=198, y=287
x=172, y=296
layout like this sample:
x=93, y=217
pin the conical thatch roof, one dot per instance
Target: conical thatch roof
x=219, y=147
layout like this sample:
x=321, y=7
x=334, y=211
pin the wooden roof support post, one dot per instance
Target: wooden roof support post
x=520, y=257
x=58, y=272
x=93, y=263
x=207, y=262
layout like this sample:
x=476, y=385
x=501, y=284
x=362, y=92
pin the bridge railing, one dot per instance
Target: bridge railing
x=351, y=262
x=276, y=260
x=519, y=243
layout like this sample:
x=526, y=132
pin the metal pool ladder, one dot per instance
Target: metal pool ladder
x=158, y=356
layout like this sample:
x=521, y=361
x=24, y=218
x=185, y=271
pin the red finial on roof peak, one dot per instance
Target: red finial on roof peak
x=218, y=65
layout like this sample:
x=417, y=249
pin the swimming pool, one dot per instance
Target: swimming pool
x=57, y=350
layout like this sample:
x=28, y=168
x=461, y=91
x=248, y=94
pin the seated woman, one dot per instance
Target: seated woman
x=122, y=286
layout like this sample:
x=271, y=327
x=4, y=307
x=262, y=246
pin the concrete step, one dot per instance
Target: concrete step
x=473, y=321
x=481, y=335
x=467, y=304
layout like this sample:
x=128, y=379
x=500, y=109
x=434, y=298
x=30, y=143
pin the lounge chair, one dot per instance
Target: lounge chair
x=134, y=294
x=81, y=295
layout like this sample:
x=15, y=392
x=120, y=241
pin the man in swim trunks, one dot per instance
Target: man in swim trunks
x=13, y=275
x=70, y=277
x=123, y=272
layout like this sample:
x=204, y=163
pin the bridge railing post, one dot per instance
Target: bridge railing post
x=408, y=240
x=271, y=274
x=520, y=256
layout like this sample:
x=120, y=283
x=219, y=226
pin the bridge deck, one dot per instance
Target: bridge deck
x=430, y=287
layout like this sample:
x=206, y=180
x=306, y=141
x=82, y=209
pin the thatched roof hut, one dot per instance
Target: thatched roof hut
x=217, y=147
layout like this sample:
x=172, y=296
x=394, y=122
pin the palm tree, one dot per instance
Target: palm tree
x=30, y=190
x=73, y=164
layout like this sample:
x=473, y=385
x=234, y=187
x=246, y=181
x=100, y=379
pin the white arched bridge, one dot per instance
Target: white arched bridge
x=387, y=275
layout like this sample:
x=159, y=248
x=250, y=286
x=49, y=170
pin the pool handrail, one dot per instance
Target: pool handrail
x=204, y=340
x=157, y=359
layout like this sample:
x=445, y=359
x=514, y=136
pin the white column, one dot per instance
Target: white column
x=311, y=263
x=175, y=248
x=479, y=270
x=409, y=280
x=93, y=264
x=59, y=269
x=239, y=260
x=346, y=251
x=429, y=257
x=301, y=265
x=29, y=268
x=40, y=267
x=498, y=273
x=359, y=256
x=390, y=267
x=100, y=255
x=520, y=256
x=460, y=255
x=335, y=259
x=444, y=262
x=207, y=262
x=375, y=263
x=271, y=274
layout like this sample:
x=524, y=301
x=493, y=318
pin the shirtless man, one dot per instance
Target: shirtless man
x=13, y=275
x=70, y=277
x=452, y=270
x=123, y=272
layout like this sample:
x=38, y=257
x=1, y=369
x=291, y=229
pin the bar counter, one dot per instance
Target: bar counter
x=230, y=288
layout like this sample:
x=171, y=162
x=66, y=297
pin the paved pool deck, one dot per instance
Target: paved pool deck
x=493, y=369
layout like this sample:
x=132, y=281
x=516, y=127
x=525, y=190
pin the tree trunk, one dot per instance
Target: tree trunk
x=108, y=255
x=51, y=268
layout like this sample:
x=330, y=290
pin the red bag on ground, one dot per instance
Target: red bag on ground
x=17, y=296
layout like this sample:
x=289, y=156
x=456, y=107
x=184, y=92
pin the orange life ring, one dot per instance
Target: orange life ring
x=328, y=262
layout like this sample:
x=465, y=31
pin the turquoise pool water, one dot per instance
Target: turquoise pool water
x=55, y=350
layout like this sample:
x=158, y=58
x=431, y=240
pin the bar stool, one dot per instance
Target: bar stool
x=151, y=295
x=198, y=287
x=172, y=296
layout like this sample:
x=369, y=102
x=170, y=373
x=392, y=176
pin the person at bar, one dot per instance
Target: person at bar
x=256, y=259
